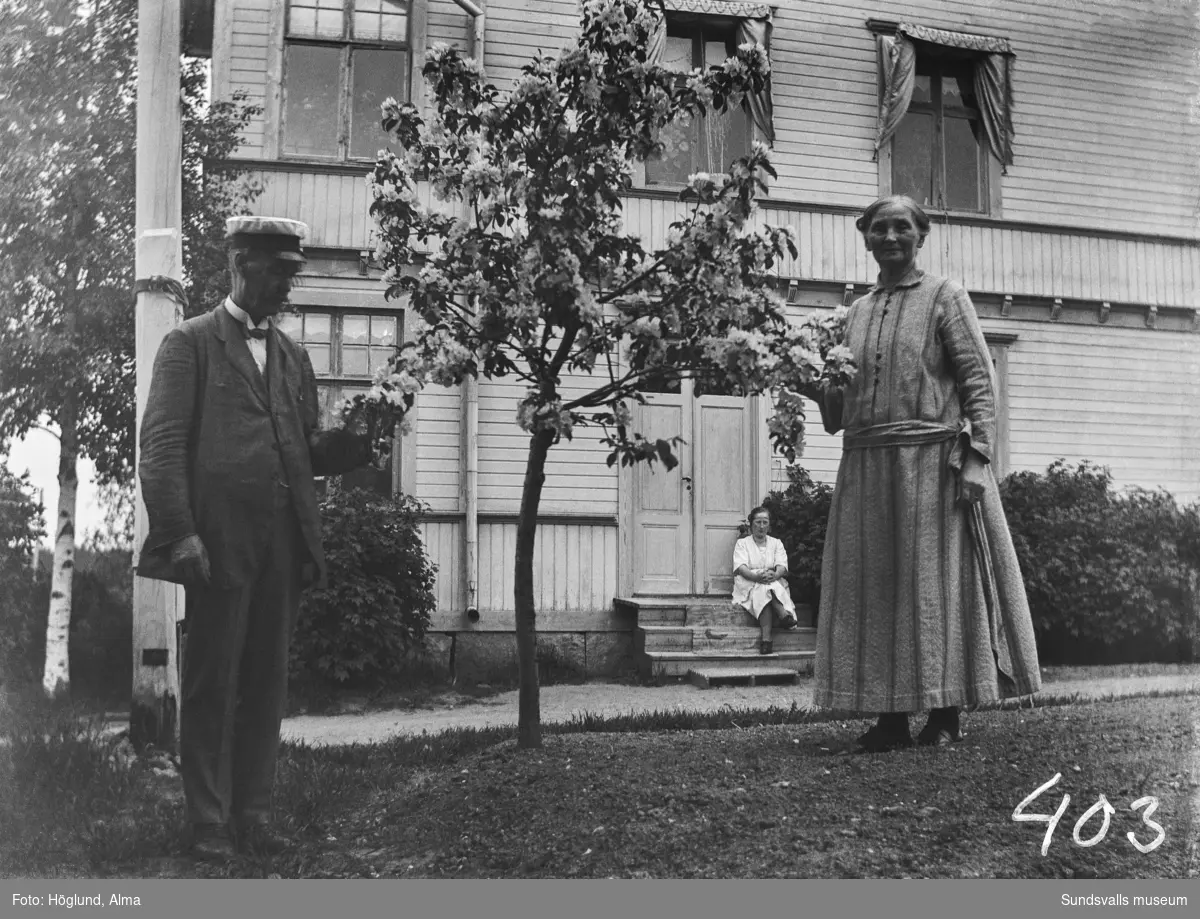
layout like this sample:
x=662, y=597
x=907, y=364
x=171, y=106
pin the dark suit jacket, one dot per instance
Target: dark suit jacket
x=215, y=439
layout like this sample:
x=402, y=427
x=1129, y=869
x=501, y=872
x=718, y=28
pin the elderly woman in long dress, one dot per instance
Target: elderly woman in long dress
x=760, y=587
x=922, y=602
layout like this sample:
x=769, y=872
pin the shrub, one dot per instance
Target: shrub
x=101, y=639
x=21, y=531
x=355, y=631
x=799, y=516
x=1110, y=577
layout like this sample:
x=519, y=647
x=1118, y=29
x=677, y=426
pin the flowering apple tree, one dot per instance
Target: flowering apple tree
x=521, y=267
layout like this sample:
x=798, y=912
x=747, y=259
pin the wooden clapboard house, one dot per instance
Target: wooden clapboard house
x=1055, y=145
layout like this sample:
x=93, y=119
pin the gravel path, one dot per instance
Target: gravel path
x=564, y=702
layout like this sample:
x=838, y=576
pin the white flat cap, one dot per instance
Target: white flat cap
x=276, y=234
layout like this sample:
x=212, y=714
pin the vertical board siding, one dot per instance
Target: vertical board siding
x=574, y=566
x=997, y=259
x=443, y=544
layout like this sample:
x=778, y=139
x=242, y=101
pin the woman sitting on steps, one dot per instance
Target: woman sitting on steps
x=760, y=587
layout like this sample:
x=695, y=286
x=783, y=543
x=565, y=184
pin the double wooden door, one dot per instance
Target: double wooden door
x=686, y=519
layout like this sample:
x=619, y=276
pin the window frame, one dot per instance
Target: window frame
x=347, y=45
x=339, y=380
x=999, y=344
x=990, y=168
x=696, y=28
x=702, y=33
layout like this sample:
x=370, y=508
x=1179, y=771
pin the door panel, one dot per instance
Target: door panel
x=724, y=474
x=662, y=546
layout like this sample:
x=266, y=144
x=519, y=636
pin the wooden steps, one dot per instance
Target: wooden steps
x=712, y=642
x=729, y=675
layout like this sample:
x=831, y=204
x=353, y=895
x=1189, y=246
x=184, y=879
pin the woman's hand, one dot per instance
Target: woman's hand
x=972, y=479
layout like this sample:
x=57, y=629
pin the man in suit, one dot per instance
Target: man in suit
x=230, y=443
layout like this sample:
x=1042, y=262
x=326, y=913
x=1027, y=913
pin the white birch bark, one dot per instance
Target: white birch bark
x=56, y=678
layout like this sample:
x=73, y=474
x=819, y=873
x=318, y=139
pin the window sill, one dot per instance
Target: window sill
x=302, y=164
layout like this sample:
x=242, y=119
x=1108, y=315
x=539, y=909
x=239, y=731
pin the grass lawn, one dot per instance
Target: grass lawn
x=741, y=794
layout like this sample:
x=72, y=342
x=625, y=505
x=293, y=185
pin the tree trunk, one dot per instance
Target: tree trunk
x=529, y=717
x=56, y=678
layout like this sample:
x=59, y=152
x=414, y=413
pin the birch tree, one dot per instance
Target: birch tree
x=67, y=167
x=532, y=276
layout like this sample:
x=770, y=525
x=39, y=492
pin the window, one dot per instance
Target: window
x=346, y=349
x=998, y=344
x=937, y=156
x=945, y=132
x=703, y=143
x=342, y=59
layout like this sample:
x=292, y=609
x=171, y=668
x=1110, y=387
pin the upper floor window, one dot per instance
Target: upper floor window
x=701, y=34
x=342, y=59
x=703, y=143
x=937, y=155
x=945, y=120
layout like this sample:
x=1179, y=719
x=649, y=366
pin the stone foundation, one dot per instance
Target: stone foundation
x=563, y=657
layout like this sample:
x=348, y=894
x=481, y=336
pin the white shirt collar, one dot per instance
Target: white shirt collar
x=243, y=317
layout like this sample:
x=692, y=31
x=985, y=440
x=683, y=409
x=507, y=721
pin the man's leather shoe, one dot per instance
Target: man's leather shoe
x=259, y=838
x=211, y=843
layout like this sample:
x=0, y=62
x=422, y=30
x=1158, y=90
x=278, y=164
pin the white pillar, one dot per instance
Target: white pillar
x=157, y=605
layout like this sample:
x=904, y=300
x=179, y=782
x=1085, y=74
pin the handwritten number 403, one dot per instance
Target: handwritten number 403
x=1149, y=802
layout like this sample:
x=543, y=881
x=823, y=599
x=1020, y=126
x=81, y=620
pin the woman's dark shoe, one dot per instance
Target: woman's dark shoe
x=765, y=646
x=941, y=729
x=879, y=740
x=890, y=732
x=791, y=622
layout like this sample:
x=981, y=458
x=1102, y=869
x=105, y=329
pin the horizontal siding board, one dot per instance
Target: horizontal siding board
x=1122, y=398
x=1069, y=79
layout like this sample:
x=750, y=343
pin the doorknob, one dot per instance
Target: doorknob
x=687, y=480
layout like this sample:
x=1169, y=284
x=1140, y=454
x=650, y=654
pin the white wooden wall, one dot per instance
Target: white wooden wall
x=1105, y=141
x=1122, y=398
x=574, y=572
x=1103, y=105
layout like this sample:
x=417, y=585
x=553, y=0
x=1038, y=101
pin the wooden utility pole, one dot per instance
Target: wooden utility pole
x=157, y=605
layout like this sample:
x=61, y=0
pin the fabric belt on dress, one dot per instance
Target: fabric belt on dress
x=911, y=434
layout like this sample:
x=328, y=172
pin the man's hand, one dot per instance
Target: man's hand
x=190, y=559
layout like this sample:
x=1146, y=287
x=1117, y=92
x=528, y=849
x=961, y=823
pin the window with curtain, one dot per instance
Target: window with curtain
x=704, y=143
x=937, y=154
x=700, y=34
x=346, y=348
x=945, y=117
x=342, y=59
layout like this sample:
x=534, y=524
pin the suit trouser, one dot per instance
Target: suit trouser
x=234, y=684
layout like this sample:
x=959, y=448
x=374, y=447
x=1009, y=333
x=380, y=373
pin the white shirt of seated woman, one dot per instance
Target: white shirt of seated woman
x=760, y=587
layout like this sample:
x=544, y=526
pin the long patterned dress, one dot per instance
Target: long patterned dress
x=922, y=602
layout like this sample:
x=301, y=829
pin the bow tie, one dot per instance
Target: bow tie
x=254, y=333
